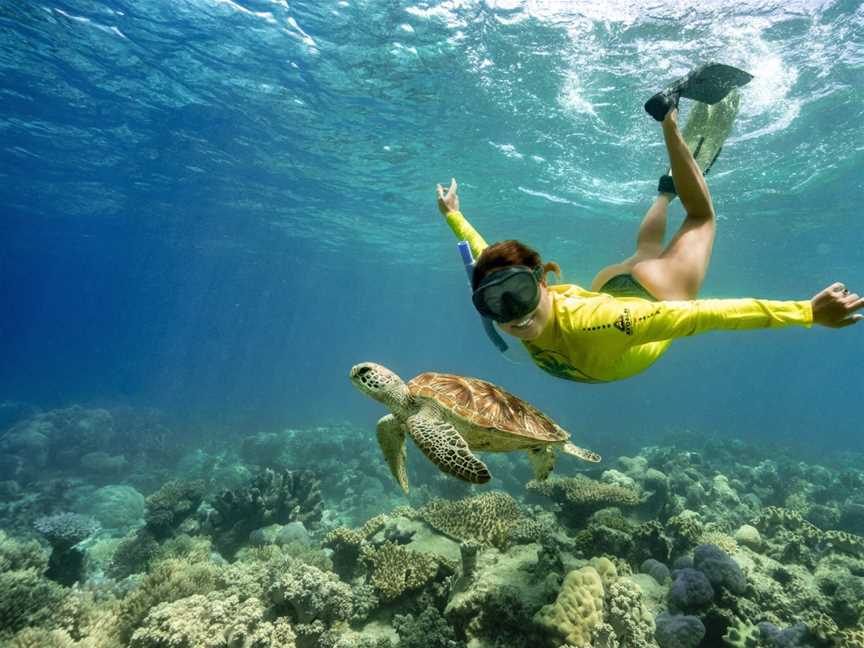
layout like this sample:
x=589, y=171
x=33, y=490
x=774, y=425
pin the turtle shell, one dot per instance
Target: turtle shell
x=486, y=405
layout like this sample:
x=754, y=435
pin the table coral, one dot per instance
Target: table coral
x=492, y=519
x=580, y=496
x=63, y=531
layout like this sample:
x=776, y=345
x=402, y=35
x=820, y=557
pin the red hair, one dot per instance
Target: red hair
x=506, y=254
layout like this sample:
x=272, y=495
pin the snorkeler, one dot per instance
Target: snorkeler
x=634, y=308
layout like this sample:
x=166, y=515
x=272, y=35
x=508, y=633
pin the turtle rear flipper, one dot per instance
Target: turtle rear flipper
x=391, y=439
x=582, y=453
x=445, y=447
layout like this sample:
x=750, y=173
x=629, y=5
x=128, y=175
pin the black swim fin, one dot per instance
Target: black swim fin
x=707, y=83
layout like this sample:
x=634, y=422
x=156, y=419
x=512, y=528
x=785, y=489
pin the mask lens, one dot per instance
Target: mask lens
x=511, y=294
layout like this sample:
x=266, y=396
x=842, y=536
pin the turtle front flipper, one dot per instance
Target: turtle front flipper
x=582, y=453
x=445, y=447
x=391, y=439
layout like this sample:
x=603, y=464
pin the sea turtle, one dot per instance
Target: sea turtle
x=449, y=416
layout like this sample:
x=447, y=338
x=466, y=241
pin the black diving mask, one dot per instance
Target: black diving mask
x=508, y=294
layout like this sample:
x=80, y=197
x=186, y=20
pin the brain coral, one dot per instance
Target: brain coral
x=577, y=611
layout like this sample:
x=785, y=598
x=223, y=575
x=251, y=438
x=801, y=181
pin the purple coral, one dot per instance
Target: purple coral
x=720, y=569
x=656, y=569
x=691, y=589
x=795, y=636
x=678, y=631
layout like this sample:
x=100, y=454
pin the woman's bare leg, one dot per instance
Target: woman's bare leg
x=649, y=242
x=678, y=272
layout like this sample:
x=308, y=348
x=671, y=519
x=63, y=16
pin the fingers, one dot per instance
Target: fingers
x=849, y=321
x=836, y=287
x=440, y=191
x=856, y=303
x=452, y=188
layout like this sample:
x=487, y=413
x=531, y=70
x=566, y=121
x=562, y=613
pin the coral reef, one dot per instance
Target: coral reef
x=165, y=512
x=577, y=611
x=580, y=496
x=393, y=570
x=271, y=497
x=212, y=620
x=493, y=519
x=678, y=631
x=27, y=598
x=63, y=531
x=734, y=547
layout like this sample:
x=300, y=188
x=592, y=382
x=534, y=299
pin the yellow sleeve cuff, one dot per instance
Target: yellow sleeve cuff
x=464, y=231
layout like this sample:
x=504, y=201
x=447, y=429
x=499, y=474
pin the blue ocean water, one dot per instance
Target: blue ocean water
x=215, y=208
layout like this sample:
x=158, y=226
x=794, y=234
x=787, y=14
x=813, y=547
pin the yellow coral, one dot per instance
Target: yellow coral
x=491, y=518
x=606, y=569
x=578, y=610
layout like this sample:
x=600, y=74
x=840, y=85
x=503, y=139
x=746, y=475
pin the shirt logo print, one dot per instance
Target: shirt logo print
x=624, y=323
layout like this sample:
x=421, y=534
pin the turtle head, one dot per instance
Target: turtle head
x=379, y=382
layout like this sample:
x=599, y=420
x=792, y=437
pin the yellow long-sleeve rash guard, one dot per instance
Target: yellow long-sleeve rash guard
x=595, y=337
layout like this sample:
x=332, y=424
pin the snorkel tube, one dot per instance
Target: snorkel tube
x=488, y=327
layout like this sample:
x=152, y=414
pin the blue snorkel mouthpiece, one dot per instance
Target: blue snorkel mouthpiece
x=488, y=327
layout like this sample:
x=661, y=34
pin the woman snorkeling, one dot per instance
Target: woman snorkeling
x=635, y=308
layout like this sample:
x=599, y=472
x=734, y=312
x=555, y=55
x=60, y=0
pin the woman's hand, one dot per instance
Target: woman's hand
x=449, y=201
x=835, y=307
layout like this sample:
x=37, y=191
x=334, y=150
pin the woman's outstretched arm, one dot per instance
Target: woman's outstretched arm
x=448, y=204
